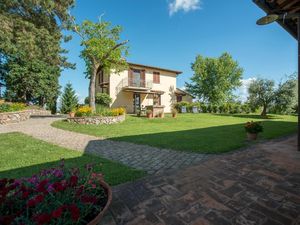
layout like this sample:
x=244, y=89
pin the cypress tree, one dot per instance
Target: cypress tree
x=69, y=100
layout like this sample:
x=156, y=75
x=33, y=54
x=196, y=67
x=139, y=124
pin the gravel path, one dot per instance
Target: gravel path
x=151, y=159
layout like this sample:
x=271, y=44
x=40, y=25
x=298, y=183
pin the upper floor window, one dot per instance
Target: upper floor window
x=156, y=77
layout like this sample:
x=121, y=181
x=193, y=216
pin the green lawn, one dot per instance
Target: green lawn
x=203, y=133
x=22, y=156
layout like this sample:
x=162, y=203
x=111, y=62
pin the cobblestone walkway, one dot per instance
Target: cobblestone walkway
x=257, y=186
x=151, y=159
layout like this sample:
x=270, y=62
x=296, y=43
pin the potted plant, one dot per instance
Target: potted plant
x=149, y=113
x=161, y=114
x=72, y=113
x=252, y=129
x=174, y=113
x=55, y=196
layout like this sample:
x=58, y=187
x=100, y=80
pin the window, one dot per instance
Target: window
x=136, y=78
x=156, y=77
x=179, y=98
x=156, y=99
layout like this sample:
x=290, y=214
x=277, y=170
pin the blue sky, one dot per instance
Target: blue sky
x=170, y=33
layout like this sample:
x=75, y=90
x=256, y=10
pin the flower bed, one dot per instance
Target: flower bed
x=55, y=196
x=97, y=120
x=18, y=116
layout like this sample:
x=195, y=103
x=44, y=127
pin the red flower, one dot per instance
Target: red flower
x=6, y=220
x=88, y=199
x=75, y=213
x=34, y=201
x=73, y=181
x=58, y=187
x=58, y=212
x=79, y=190
x=41, y=186
x=43, y=218
x=25, y=194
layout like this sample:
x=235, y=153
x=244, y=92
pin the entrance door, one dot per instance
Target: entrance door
x=136, y=102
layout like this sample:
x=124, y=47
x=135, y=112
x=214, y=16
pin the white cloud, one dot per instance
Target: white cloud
x=185, y=5
x=242, y=91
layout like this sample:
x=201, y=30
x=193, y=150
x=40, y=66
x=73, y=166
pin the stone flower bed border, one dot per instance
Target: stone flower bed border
x=16, y=117
x=97, y=120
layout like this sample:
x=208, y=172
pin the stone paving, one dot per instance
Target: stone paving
x=151, y=159
x=256, y=186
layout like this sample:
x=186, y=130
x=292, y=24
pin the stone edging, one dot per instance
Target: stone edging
x=97, y=120
x=16, y=117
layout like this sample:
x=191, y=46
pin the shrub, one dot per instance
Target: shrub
x=215, y=108
x=54, y=196
x=118, y=111
x=209, y=108
x=245, y=108
x=12, y=107
x=83, y=111
x=180, y=104
x=253, y=127
x=103, y=99
x=203, y=108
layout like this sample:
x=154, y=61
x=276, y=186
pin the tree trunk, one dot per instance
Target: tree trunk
x=92, y=88
x=264, y=112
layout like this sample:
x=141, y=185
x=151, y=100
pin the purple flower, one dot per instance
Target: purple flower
x=58, y=173
x=33, y=180
x=50, y=188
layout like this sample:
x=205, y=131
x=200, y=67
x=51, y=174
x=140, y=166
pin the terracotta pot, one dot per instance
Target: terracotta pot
x=149, y=115
x=108, y=190
x=251, y=136
x=72, y=114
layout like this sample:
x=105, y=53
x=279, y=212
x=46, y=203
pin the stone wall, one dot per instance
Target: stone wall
x=97, y=119
x=16, y=117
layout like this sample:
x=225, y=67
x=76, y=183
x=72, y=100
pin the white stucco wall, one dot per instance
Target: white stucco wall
x=122, y=98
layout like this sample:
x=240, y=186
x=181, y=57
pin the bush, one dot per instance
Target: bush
x=253, y=127
x=54, y=196
x=83, y=111
x=12, y=107
x=178, y=105
x=118, y=111
x=103, y=99
x=203, y=108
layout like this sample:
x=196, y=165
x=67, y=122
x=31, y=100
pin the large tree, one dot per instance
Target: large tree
x=261, y=94
x=214, y=79
x=31, y=57
x=102, y=51
x=286, y=96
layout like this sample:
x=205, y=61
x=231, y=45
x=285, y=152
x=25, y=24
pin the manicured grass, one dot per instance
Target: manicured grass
x=203, y=133
x=22, y=156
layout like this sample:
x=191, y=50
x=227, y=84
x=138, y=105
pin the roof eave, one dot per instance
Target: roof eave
x=155, y=68
x=261, y=4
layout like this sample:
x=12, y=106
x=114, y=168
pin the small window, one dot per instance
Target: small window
x=179, y=98
x=156, y=77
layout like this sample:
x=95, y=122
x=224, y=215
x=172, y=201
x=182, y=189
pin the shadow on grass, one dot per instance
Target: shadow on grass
x=217, y=139
x=27, y=156
x=250, y=116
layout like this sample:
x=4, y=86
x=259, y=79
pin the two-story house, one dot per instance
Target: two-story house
x=140, y=86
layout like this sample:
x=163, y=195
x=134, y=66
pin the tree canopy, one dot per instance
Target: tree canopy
x=102, y=51
x=214, y=79
x=31, y=57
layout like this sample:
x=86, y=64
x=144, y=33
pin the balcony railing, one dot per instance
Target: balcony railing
x=126, y=82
